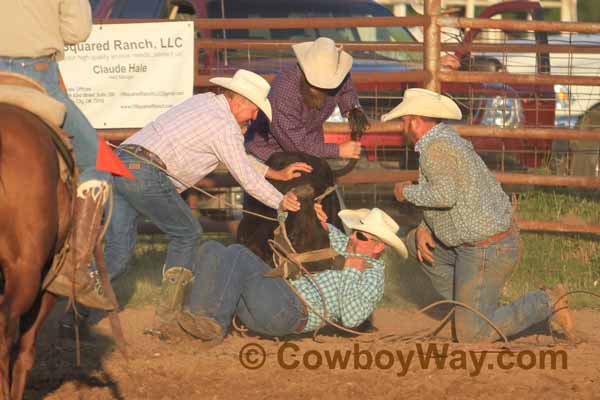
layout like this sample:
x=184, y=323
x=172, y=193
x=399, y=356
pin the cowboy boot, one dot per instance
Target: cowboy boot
x=561, y=318
x=172, y=291
x=73, y=277
x=200, y=326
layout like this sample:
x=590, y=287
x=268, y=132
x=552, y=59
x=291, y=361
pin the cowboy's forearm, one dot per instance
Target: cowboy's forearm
x=361, y=291
x=427, y=195
x=348, y=98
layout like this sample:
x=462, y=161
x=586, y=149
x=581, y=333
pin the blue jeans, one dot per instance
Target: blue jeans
x=475, y=276
x=229, y=281
x=84, y=139
x=151, y=194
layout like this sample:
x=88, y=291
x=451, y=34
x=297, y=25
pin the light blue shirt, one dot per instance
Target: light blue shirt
x=350, y=295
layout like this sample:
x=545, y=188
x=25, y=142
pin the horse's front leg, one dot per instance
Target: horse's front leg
x=5, y=344
x=31, y=322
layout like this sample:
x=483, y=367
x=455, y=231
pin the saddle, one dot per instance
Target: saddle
x=23, y=92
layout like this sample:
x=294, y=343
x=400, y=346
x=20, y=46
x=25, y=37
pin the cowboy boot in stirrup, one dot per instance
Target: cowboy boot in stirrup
x=172, y=291
x=74, y=276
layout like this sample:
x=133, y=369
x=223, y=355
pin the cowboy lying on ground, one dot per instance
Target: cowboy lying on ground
x=230, y=282
x=31, y=48
x=467, y=243
x=189, y=141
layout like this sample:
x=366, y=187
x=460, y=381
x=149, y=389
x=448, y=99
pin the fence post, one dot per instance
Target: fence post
x=432, y=44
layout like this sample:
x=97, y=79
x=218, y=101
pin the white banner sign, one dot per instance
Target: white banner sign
x=125, y=75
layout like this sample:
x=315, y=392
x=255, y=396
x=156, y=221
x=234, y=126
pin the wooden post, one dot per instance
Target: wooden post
x=432, y=43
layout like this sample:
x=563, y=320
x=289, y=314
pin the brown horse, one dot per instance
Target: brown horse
x=35, y=210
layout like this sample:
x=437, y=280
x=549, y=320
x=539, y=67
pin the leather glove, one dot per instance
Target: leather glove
x=359, y=122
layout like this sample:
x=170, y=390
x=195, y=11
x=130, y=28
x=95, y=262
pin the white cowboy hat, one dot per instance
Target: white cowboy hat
x=424, y=103
x=250, y=85
x=323, y=63
x=377, y=223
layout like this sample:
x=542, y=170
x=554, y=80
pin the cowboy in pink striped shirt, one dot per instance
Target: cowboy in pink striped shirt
x=189, y=141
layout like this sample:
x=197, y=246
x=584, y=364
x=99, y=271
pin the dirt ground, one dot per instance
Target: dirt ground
x=386, y=368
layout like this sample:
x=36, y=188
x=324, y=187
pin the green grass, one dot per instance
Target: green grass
x=560, y=203
x=140, y=284
x=547, y=258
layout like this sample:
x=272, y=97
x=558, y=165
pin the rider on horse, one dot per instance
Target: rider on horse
x=34, y=35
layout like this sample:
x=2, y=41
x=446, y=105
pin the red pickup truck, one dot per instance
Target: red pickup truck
x=491, y=104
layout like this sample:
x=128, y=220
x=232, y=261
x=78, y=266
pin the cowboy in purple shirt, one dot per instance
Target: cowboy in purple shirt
x=303, y=97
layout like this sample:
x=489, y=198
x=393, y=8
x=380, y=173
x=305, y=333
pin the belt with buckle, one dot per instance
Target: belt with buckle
x=145, y=153
x=492, y=239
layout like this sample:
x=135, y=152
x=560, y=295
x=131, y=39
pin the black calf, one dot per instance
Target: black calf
x=304, y=230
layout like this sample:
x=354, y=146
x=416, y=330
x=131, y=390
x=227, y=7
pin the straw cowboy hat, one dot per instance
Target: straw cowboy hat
x=424, y=103
x=250, y=85
x=377, y=223
x=324, y=64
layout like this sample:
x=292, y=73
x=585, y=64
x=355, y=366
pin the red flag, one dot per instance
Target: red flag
x=108, y=161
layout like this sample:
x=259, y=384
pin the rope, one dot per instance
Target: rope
x=570, y=293
x=474, y=311
x=435, y=330
x=241, y=329
x=186, y=184
x=327, y=191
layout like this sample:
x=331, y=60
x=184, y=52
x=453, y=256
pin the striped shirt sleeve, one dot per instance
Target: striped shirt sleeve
x=258, y=165
x=229, y=149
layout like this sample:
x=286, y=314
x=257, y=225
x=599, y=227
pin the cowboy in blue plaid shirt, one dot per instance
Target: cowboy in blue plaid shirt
x=467, y=243
x=230, y=281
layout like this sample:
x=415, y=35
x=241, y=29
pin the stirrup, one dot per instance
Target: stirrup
x=89, y=293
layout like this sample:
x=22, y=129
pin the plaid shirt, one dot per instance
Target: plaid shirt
x=192, y=137
x=350, y=295
x=463, y=201
x=295, y=127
